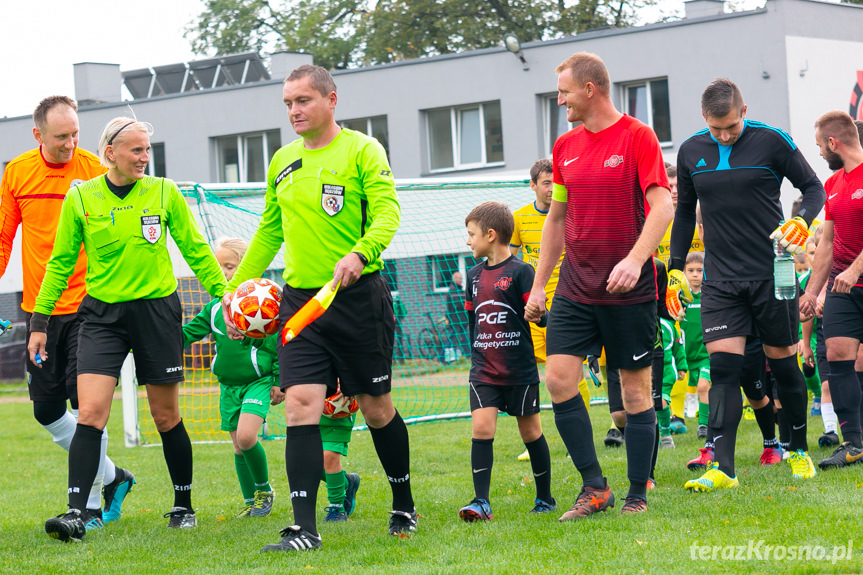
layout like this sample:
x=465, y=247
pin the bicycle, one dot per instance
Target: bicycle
x=438, y=341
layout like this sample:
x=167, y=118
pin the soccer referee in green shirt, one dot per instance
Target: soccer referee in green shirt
x=331, y=200
x=123, y=219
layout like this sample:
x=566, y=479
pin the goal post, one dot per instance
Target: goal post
x=432, y=352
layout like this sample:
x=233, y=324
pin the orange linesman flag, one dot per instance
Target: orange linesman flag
x=312, y=310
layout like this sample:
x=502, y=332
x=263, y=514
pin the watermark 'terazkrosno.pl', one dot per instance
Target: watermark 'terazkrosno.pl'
x=761, y=551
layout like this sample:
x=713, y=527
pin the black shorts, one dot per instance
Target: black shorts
x=516, y=400
x=733, y=309
x=843, y=314
x=151, y=328
x=628, y=332
x=615, y=396
x=57, y=379
x=350, y=344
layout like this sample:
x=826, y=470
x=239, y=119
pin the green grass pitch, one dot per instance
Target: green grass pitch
x=768, y=506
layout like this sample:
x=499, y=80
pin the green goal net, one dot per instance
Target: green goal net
x=422, y=268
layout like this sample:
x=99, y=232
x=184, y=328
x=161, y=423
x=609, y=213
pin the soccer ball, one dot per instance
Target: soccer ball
x=255, y=308
x=339, y=406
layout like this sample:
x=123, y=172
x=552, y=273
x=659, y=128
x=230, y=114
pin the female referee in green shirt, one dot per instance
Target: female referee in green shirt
x=122, y=219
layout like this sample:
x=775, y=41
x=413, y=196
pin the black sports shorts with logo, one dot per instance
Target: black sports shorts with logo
x=57, y=379
x=350, y=344
x=151, y=328
x=744, y=308
x=628, y=332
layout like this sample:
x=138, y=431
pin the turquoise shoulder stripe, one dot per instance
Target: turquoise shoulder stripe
x=782, y=133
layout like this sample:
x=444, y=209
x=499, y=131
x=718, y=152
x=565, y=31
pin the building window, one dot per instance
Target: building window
x=465, y=137
x=156, y=167
x=246, y=157
x=375, y=127
x=648, y=101
x=442, y=268
x=554, y=123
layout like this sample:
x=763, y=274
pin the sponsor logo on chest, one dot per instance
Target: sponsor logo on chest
x=857, y=195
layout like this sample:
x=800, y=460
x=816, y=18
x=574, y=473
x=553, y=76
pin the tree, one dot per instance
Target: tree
x=345, y=33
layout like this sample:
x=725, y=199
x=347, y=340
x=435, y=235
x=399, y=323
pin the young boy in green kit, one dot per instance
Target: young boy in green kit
x=248, y=374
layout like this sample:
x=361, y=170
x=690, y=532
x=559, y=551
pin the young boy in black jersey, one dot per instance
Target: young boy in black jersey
x=503, y=373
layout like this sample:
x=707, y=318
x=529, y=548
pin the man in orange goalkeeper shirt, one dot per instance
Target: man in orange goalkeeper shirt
x=31, y=194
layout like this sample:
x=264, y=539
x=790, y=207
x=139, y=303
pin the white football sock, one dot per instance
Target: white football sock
x=828, y=416
x=95, y=499
x=62, y=430
x=110, y=468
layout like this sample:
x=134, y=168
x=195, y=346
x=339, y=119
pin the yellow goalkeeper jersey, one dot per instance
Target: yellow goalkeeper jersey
x=527, y=235
x=663, y=252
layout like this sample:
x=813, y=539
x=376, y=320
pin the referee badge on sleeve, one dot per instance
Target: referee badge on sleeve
x=332, y=198
x=151, y=228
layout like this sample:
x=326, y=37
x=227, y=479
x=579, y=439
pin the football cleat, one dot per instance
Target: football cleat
x=477, y=510
x=703, y=461
x=651, y=484
x=614, y=438
x=246, y=511
x=702, y=432
x=295, y=538
x=115, y=492
x=666, y=441
x=92, y=519
x=181, y=518
x=591, y=500
x=540, y=506
x=263, y=503
x=336, y=513
x=844, y=455
x=711, y=481
x=801, y=465
x=67, y=527
x=402, y=523
x=350, y=503
x=524, y=456
x=816, y=409
x=633, y=505
x=678, y=426
x=829, y=439
x=771, y=456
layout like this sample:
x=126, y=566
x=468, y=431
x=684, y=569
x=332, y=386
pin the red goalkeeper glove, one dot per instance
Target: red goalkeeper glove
x=792, y=235
x=677, y=295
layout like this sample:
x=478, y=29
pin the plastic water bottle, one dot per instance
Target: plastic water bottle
x=784, y=273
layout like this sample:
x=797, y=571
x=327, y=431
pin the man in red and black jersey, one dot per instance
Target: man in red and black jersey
x=840, y=253
x=734, y=168
x=610, y=207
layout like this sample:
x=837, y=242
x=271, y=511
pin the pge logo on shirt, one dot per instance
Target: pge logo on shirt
x=613, y=161
x=857, y=195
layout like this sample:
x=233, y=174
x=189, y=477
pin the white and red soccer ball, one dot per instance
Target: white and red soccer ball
x=255, y=308
x=339, y=406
